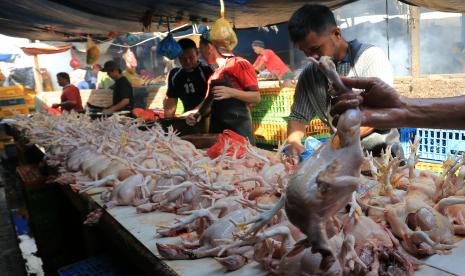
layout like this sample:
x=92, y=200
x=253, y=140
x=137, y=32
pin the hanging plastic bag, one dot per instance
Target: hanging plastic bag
x=74, y=63
x=93, y=53
x=130, y=59
x=222, y=33
x=236, y=143
x=169, y=48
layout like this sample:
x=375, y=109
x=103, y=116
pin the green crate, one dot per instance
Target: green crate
x=277, y=105
x=179, y=108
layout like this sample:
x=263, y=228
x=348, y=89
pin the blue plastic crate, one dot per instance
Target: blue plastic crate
x=407, y=135
x=437, y=144
x=101, y=265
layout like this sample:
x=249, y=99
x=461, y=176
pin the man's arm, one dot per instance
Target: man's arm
x=124, y=102
x=443, y=113
x=224, y=92
x=295, y=134
x=170, y=107
x=383, y=107
x=259, y=66
x=66, y=104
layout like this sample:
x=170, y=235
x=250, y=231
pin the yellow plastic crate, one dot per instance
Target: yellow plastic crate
x=317, y=127
x=270, y=133
x=274, y=133
x=30, y=99
x=426, y=166
x=16, y=91
x=12, y=110
x=277, y=90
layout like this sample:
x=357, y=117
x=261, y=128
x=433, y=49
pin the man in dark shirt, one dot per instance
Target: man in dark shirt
x=122, y=89
x=188, y=83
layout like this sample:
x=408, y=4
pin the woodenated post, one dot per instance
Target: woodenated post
x=291, y=55
x=37, y=75
x=414, y=26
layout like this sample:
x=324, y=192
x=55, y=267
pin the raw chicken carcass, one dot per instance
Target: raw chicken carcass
x=324, y=183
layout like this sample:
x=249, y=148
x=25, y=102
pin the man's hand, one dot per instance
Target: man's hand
x=55, y=105
x=294, y=151
x=192, y=117
x=378, y=101
x=223, y=93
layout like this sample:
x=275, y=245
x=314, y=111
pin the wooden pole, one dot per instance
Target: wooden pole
x=414, y=26
x=291, y=55
x=37, y=75
x=463, y=28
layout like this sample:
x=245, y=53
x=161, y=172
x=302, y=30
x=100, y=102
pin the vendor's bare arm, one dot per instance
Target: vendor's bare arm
x=260, y=66
x=169, y=107
x=124, y=102
x=252, y=97
x=445, y=113
x=296, y=131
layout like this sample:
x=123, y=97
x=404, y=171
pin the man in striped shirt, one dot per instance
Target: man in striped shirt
x=314, y=30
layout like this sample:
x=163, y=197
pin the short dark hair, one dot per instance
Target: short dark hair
x=187, y=43
x=310, y=18
x=63, y=75
x=205, y=41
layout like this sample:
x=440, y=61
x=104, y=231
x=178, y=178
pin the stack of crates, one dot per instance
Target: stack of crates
x=29, y=97
x=270, y=116
x=12, y=101
x=435, y=146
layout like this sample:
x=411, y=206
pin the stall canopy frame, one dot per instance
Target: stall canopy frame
x=67, y=20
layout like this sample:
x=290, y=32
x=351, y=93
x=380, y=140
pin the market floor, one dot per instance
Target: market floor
x=11, y=260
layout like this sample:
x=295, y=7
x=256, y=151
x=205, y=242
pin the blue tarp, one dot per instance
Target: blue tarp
x=7, y=57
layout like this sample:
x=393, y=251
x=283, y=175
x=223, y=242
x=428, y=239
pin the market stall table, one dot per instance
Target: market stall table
x=134, y=234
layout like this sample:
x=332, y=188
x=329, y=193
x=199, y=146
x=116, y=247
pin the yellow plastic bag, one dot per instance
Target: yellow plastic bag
x=222, y=33
x=93, y=53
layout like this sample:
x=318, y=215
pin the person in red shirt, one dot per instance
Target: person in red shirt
x=267, y=59
x=70, y=97
x=231, y=89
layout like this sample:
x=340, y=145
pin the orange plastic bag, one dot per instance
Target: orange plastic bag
x=93, y=53
x=234, y=141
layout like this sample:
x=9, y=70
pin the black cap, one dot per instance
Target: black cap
x=109, y=66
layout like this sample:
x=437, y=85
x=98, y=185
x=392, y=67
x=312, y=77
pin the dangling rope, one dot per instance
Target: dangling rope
x=387, y=28
x=222, y=9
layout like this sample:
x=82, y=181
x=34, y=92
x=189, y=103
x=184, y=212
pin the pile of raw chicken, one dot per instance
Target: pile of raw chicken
x=340, y=212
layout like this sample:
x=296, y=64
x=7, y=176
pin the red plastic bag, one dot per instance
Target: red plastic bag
x=130, y=59
x=235, y=142
x=74, y=63
x=146, y=115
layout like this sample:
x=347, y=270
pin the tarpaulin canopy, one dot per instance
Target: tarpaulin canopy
x=439, y=5
x=70, y=19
